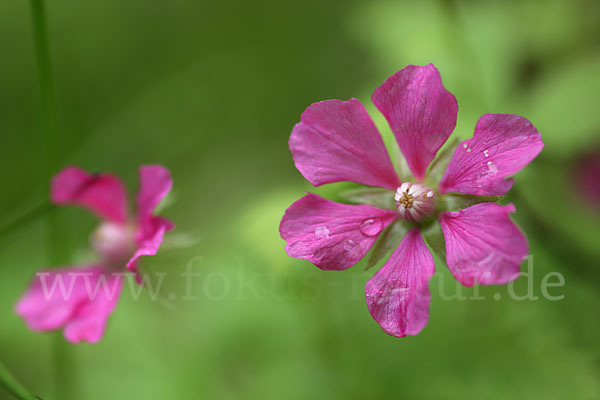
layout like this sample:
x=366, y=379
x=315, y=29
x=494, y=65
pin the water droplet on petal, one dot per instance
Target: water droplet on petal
x=321, y=232
x=371, y=227
x=349, y=244
x=393, y=291
x=400, y=293
x=492, y=168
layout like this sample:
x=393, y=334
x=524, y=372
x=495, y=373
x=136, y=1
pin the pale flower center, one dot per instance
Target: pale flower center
x=415, y=202
x=114, y=242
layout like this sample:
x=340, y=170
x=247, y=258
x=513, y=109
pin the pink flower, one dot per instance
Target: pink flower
x=337, y=141
x=586, y=175
x=80, y=299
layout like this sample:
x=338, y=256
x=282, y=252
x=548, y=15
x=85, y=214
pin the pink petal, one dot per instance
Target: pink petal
x=329, y=234
x=502, y=145
x=155, y=184
x=483, y=245
x=586, y=176
x=149, y=239
x=398, y=294
x=78, y=299
x=337, y=141
x=420, y=111
x=102, y=194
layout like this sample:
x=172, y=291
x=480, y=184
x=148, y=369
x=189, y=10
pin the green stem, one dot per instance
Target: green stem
x=50, y=143
x=14, y=387
x=64, y=376
x=46, y=82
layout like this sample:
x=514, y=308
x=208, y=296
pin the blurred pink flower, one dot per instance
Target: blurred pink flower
x=337, y=141
x=80, y=299
x=586, y=176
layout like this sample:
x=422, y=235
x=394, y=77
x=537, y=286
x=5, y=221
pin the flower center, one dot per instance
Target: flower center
x=114, y=242
x=415, y=202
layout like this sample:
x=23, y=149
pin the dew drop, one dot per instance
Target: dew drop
x=492, y=168
x=469, y=150
x=371, y=227
x=321, y=232
x=400, y=293
x=349, y=244
x=393, y=291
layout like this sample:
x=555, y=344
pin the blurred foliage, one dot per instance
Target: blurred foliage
x=211, y=90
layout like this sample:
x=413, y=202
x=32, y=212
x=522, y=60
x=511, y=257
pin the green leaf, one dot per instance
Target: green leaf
x=459, y=201
x=389, y=240
x=434, y=236
x=26, y=219
x=570, y=90
x=401, y=165
x=438, y=166
x=377, y=197
x=575, y=226
x=389, y=139
x=9, y=382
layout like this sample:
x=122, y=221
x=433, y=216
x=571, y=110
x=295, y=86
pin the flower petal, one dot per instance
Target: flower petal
x=155, y=184
x=502, y=145
x=586, y=176
x=102, y=194
x=337, y=141
x=420, y=111
x=483, y=245
x=398, y=294
x=78, y=299
x=331, y=235
x=149, y=240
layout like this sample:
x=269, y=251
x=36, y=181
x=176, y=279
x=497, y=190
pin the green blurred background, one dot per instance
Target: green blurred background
x=211, y=89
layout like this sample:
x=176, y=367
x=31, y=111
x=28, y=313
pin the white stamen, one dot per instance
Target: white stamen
x=415, y=201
